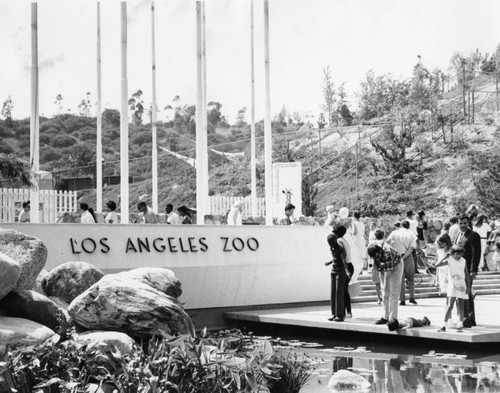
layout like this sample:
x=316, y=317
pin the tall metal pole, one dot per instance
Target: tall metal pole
x=268, y=139
x=357, y=162
x=201, y=139
x=253, y=161
x=205, y=115
x=154, y=143
x=124, y=168
x=99, y=115
x=34, y=121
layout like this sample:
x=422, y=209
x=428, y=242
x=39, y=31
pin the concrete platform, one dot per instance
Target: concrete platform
x=365, y=315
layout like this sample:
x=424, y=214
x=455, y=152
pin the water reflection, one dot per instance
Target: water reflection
x=398, y=373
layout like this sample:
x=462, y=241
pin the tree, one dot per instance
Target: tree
x=82, y=159
x=185, y=120
x=392, y=144
x=321, y=121
x=328, y=89
x=240, y=117
x=85, y=106
x=111, y=117
x=214, y=116
x=309, y=193
x=136, y=106
x=7, y=111
x=486, y=180
x=13, y=169
x=59, y=104
x=282, y=116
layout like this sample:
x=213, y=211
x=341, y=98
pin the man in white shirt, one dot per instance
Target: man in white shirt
x=404, y=241
x=172, y=217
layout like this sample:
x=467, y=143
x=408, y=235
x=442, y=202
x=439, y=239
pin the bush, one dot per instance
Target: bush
x=62, y=141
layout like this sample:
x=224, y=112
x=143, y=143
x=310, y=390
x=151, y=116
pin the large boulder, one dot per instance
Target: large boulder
x=345, y=380
x=22, y=332
x=10, y=271
x=34, y=306
x=163, y=280
x=28, y=251
x=128, y=306
x=107, y=341
x=38, y=282
x=70, y=279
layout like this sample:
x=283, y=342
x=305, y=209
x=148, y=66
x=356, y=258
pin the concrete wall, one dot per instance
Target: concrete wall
x=219, y=266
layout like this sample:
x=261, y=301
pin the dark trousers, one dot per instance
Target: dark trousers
x=347, y=297
x=469, y=309
x=338, y=288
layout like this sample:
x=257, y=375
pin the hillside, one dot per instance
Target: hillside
x=445, y=165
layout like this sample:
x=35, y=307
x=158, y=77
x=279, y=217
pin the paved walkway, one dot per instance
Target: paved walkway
x=365, y=315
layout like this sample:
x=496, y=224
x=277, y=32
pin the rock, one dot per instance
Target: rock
x=128, y=306
x=106, y=340
x=20, y=331
x=163, y=280
x=29, y=252
x=38, y=282
x=34, y=306
x=9, y=274
x=346, y=380
x=70, y=279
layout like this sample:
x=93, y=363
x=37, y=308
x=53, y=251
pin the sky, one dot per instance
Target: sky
x=349, y=36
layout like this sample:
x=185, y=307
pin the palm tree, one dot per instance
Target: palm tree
x=12, y=168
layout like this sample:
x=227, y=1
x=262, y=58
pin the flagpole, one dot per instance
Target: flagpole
x=99, y=114
x=124, y=167
x=253, y=163
x=268, y=148
x=201, y=140
x=35, y=120
x=154, y=155
x=204, y=109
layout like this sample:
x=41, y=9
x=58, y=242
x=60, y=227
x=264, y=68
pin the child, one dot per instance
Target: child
x=458, y=284
x=407, y=323
x=444, y=245
x=496, y=256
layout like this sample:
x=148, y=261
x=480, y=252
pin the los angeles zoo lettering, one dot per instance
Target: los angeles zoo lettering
x=89, y=245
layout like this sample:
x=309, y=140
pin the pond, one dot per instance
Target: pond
x=396, y=368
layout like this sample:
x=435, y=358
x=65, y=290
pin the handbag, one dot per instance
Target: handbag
x=354, y=289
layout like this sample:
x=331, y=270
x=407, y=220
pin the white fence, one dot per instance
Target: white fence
x=219, y=205
x=51, y=203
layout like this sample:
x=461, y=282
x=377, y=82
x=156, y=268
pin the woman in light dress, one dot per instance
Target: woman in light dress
x=482, y=228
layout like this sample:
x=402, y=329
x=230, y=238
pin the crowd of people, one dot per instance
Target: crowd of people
x=393, y=262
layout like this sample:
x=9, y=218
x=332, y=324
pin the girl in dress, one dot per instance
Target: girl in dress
x=444, y=244
x=458, y=285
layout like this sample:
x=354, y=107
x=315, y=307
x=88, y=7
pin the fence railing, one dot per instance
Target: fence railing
x=51, y=203
x=220, y=205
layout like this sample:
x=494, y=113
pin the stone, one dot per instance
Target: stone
x=344, y=380
x=34, y=306
x=70, y=279
x=37, y=287
x=163, y=280
x=22, y=332
x=10, y=271
x=106, y=340
x=29, y=252
x=128, y=306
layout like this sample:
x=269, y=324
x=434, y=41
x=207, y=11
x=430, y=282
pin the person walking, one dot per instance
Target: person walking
x=172, y=217
x=444, y=244
x=458, y=285
x=234, y=217
x=470, y=241
x=405, y=242
x=148, y=216
x=24, y=214
x=112, y=216
x=388, y=262
x=339, y=273
x=88, y=216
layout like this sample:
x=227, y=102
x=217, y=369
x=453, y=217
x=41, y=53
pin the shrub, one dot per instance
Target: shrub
x=62, y=141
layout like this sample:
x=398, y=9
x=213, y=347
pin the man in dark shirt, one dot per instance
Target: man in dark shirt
x=470, y=241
